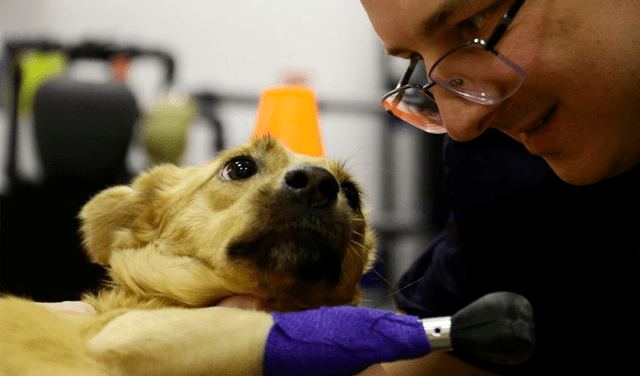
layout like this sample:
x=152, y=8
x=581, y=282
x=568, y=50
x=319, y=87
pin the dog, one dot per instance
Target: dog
x=259, y=220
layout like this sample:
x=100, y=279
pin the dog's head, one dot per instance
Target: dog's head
x=259, y=220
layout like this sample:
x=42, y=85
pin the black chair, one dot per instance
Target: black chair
x=82, y=131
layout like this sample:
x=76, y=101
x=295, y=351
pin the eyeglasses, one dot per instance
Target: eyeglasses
x=472, y=70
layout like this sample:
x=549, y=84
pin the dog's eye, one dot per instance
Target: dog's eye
x=239, y=169
x=352, y=195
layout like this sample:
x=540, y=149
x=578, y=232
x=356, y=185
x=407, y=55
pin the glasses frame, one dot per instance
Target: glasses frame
x=489, y=45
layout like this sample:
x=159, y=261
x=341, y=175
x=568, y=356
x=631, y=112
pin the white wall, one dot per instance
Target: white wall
x=236, y=47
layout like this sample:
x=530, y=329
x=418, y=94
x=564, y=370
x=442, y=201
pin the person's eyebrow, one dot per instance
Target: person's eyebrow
x=429, y=26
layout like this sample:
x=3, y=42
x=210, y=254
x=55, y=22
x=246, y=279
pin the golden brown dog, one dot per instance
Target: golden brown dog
x=259, y=220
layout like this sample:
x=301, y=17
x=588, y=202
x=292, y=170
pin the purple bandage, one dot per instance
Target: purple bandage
x=340, y=341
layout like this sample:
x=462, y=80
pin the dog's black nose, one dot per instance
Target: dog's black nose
x=312, y=183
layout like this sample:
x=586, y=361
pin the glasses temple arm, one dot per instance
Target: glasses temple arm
x=407, y=74
x=503, y=25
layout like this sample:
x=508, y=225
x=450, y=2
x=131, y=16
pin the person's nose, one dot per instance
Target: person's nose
x=464, y=120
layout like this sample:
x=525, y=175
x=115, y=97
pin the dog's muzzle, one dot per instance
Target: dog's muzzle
x=306, y=234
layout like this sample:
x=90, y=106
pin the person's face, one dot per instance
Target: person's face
x=579, y=104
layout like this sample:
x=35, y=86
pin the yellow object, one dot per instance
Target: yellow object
x=37, y=67
x=290, y=114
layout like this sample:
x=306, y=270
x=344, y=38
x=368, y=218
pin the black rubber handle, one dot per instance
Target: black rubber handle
x=497, y=327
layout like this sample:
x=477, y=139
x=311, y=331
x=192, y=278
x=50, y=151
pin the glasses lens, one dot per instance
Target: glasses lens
x=416, y=108
x=478, y=75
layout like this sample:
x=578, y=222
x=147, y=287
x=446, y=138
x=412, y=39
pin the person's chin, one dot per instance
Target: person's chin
x=577, y=172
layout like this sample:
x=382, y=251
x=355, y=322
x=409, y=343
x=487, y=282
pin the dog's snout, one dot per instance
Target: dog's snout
x=313, y=183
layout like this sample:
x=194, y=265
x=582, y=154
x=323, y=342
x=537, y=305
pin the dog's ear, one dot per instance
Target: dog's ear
x=102, y=217
x=125, y=216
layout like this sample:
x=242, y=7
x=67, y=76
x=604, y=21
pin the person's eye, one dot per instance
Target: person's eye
x=480, y=19
x=476, y=22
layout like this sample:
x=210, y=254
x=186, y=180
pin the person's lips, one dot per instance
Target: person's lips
x=541, y=136
x=542, y=122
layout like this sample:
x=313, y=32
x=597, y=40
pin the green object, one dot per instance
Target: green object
x=166, y=126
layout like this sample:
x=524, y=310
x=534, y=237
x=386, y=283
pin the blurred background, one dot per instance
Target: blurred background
x=106, y=88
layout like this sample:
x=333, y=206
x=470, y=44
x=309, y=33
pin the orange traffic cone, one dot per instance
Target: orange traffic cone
x=290, y=114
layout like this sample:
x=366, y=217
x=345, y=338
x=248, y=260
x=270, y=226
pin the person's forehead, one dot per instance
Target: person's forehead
x=398, y=21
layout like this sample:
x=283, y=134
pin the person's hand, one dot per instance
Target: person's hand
x=243, y=301
x=374, y=370
x=71, y=307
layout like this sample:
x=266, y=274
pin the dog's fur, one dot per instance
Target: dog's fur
x=259, y=220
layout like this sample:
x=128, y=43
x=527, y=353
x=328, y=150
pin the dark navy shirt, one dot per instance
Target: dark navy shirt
x=573, y=251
